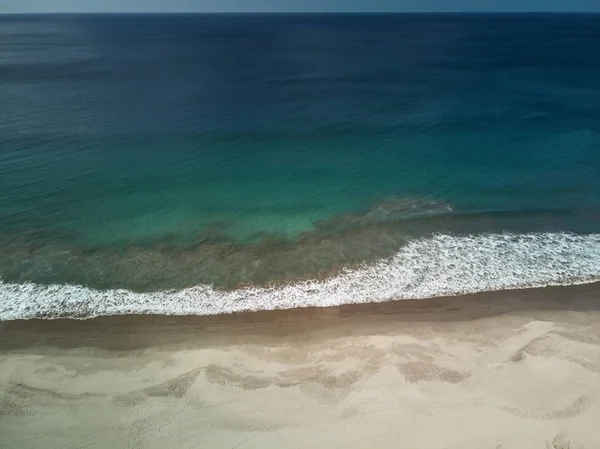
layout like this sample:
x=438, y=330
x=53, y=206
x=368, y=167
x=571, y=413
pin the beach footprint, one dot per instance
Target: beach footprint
x=562, y=441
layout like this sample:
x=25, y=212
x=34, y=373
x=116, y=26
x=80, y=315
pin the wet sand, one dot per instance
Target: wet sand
x=513, y=369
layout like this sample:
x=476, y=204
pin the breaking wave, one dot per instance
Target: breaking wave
x=444, y=265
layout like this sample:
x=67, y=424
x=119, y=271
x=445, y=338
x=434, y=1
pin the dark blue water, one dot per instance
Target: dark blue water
x=154, y=152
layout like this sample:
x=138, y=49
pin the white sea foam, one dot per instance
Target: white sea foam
x=440, y=266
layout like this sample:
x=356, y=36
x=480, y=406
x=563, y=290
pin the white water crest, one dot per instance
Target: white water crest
x=443, y=265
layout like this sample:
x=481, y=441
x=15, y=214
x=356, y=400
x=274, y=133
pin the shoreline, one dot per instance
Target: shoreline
x=443, y=265
x=148, y=330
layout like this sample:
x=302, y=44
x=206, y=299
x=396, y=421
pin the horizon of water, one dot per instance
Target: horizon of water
x=210, y=164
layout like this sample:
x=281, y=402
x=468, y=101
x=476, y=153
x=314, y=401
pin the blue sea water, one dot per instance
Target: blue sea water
x=203, y=153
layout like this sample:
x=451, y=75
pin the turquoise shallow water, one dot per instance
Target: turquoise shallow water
x=158, y=152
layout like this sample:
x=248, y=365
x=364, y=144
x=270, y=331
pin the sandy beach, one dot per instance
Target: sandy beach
x=513, y=369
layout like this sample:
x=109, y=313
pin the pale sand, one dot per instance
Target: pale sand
x=509, y=370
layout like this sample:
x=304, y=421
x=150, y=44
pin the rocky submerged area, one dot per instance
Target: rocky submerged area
x=342, y=240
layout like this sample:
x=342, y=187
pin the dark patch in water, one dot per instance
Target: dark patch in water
x=342, y=241
x=390, y=210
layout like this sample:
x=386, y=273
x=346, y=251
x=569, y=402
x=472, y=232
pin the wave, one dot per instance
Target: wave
x=443, y=265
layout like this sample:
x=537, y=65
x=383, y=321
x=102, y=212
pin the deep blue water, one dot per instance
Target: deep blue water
x=153, y=152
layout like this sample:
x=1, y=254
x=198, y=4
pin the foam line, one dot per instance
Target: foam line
x=443, y=265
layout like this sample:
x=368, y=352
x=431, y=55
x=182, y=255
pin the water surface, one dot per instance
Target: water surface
x=217, y=151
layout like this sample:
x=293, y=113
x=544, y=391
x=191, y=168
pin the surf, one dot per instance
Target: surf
x=443, y=265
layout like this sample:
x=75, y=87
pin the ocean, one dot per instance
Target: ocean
x=205, y=164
